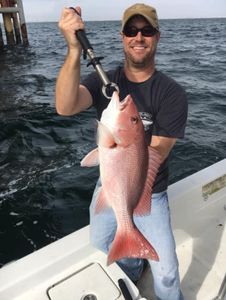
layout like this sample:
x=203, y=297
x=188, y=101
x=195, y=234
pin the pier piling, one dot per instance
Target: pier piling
x=14, y=23
x=1, y=38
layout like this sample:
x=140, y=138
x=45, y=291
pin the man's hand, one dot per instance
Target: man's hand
x=69, y=23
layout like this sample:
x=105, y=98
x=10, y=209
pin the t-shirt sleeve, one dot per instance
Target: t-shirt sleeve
x=171, y=118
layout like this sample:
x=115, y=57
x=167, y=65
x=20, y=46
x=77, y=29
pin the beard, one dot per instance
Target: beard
x=140, y=62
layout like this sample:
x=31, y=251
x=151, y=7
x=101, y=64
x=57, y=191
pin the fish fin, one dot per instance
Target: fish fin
x=101, y=203
x=91, y=159
x=131, y=244
x=144, y=204
x=105, y=137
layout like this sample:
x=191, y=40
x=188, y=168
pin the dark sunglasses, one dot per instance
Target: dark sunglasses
x=132, y=31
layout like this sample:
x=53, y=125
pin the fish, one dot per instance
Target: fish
x=128, y=168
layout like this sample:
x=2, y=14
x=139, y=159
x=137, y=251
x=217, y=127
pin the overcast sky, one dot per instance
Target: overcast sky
x=50, y=10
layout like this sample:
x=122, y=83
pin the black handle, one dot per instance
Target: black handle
x=124, y=289
x=81, y=36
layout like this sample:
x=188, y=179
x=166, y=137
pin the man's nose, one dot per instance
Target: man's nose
x=139, y=36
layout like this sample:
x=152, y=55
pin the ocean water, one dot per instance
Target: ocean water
x=44, y=193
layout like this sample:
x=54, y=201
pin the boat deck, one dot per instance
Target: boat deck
x=198, y=219
x=203, y=254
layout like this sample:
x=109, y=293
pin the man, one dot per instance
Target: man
x=163, y=107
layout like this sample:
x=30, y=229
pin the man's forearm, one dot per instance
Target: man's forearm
x=163, y=145
x=67, y=85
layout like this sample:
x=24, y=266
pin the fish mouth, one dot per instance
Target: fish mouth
x=117, y=105
x=124, y=103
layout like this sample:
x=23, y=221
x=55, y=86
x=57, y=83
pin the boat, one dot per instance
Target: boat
x=72, y=269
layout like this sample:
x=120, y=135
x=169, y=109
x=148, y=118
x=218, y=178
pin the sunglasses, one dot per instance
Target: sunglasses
x=132, y=31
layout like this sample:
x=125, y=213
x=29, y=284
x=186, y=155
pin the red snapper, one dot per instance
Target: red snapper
x=128, y=167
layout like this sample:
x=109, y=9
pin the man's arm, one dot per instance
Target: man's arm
x=163, y=145
x=71, y=97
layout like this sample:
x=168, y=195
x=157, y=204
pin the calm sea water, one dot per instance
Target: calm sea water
x=44, y=193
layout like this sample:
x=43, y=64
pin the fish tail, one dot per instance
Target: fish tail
x=131, y=244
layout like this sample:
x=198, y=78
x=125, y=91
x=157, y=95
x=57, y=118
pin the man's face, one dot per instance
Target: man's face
x=139, y=50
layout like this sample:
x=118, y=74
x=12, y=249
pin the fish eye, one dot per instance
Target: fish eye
x=134, y=119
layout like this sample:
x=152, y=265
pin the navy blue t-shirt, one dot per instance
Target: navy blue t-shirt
x=161, y=102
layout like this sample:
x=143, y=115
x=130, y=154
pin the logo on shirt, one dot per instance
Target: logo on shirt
x=147, y=120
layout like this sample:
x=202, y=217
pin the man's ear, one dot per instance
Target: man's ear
x=158, y=35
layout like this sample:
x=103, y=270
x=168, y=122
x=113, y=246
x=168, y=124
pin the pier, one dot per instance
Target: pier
x=13, y=22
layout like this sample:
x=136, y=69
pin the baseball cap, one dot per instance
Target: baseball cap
x=148, y=12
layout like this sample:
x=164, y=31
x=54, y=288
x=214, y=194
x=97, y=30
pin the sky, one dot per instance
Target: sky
x=95, y=10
